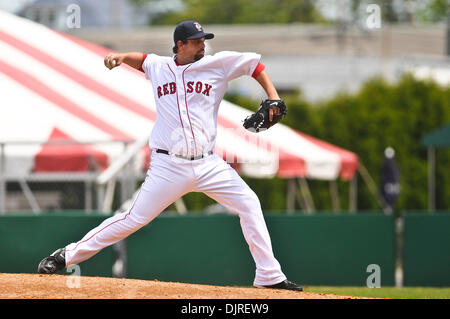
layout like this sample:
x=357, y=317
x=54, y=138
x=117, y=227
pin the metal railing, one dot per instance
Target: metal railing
x=98, y=184
x=106, y=181
x=23, y=177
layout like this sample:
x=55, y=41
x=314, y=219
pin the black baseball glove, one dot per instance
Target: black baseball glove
x=261, y=119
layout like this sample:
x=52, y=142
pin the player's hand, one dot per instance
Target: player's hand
x=112, y=60
x=272, y=111
x=269, y=113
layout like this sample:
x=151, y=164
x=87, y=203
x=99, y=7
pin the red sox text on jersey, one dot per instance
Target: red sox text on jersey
x=197, y=87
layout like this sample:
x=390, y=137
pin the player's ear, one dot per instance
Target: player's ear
x=179, y=44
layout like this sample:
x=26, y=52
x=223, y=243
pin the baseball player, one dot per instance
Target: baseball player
x=188, y=89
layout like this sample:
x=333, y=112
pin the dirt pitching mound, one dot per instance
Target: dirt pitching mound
x=37, y=286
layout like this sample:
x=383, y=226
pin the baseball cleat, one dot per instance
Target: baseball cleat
x=53, y=263
x=286, y=285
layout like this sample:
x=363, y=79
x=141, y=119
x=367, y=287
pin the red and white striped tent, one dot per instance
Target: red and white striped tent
x=55, y=87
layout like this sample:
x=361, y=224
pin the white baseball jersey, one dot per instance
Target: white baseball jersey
x=188, y=98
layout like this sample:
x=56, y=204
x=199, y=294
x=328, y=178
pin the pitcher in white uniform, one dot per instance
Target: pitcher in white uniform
x=188, y=89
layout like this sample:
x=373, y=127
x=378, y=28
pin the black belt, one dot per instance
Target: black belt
x=190, y=158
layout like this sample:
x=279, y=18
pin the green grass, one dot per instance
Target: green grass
x=385, y=292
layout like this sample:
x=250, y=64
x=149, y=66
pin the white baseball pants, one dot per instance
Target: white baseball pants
x=169, y=178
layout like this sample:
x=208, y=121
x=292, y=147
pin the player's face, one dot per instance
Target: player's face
x=194, y=49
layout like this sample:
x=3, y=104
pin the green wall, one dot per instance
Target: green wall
x=427, y=250
x=321, y=249
x=26, y=239
x=312, y=250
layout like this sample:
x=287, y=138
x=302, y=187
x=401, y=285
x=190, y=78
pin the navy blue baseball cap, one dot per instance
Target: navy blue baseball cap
x=188, y=30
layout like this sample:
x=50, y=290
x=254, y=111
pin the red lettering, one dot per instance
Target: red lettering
x=198, y=87
x=173, y=87
x=165, y=89
x=159, y=92
x=190, y=88
x=207, y=88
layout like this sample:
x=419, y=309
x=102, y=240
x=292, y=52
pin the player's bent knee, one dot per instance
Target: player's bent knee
x=250, y=203
x=136, y=222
